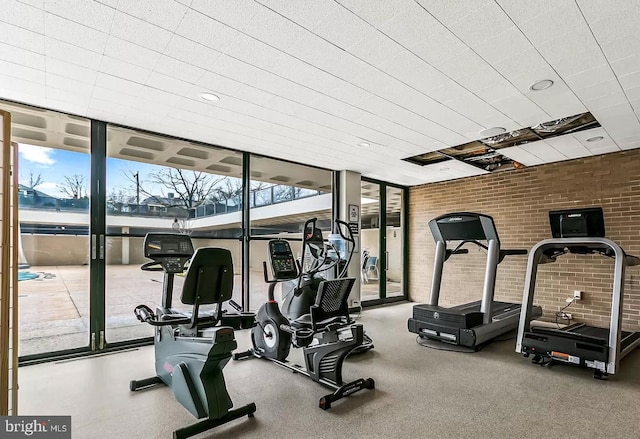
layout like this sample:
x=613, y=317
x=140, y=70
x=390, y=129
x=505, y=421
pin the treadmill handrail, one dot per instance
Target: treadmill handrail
x=622, y=260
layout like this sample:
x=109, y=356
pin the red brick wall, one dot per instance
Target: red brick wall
x=519, y=202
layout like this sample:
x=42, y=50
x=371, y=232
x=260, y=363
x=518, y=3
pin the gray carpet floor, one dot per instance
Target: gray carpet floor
x=421, y=393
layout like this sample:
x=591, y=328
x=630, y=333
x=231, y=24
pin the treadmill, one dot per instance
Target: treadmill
x=473, y=324
x=578, y=231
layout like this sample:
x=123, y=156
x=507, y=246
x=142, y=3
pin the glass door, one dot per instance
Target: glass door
x=383, y=242
x=54, y=222
x=394, y=243
x=370, y=241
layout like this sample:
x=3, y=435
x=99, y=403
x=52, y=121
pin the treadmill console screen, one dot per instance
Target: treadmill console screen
x=461, y=227
x=577, y=223
x=282, y=261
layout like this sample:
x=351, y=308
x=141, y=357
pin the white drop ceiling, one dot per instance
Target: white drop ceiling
x=308, y=81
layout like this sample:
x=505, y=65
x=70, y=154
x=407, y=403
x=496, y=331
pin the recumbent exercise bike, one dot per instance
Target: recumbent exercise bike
x=191, y=350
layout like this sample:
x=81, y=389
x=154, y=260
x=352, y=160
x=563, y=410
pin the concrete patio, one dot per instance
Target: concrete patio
x=54, y=307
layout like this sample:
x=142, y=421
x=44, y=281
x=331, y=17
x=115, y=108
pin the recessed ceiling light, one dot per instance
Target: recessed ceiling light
x=541, y=85
x=209, y=96
x=490, y=132
x=595, y=139
x=364, y=144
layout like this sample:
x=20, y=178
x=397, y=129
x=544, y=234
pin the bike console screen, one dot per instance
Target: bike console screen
x=282, y=261
x=171, y=250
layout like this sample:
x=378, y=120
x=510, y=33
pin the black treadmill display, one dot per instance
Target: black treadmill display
x=577, y=223
x=461, y=227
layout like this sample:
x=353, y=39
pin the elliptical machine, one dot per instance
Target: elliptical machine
x=191, y=350
x=327, y=322
x=326, y=256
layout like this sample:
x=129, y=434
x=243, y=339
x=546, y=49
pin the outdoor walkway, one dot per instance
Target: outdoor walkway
x=54, y=307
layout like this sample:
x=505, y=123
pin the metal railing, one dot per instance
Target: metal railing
x=258, y=198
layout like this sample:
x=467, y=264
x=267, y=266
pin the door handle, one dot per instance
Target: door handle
x=101, y=246
x=93, y=246
x=386, y=261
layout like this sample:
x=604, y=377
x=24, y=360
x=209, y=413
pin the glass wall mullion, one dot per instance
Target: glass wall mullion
x=97, y=235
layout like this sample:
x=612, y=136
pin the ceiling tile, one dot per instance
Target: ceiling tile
x=522, y=110
x=139, y=32
x=544, y=151
x=22, y=15
x=64, y=83
x=72, y=71
x=482, y=25
x=621, y=48
x=74, y=33
x=460, y=65
x=375, y=49
x=22, y=57
x=124, y=70
x=168, y=84
x=87, y=12
x=452, y=10
x=550, y=24
x=178, y=69
x=521, y=155
x=274, y=29
x=590, y=77
x=114, y=83
x=325, y=56
x=166, y=14
x=110, y=95
x=20, y=90
x=376, y=13
x=22, y=72
x=342, y=28
x=411, y=25
x=72, y=54
x=131, y=53
x=191, y=52
x=410, y=69
x=22, y=38
x=507, y=43
x=440, y=48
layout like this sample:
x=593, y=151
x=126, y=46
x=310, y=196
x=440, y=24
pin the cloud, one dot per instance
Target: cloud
x=37, y=154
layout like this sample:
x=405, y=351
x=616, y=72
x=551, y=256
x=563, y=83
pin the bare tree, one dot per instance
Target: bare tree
x=227, y=189
x=74, y=186
x=34, y=180
x=192, y=188
x=119, y=196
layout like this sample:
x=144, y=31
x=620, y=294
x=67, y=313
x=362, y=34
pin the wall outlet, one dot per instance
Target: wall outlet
x=577, y=295
x=355, y=303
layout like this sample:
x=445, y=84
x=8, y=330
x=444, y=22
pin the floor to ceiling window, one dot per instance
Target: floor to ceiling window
x=153, y=184
x=283, y=196
x=89, y=192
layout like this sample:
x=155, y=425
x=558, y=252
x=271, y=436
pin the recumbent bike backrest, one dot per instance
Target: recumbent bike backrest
x=331, y=300
x=209, y=278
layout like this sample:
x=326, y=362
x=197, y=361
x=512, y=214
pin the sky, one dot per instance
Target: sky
x=54, y=164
